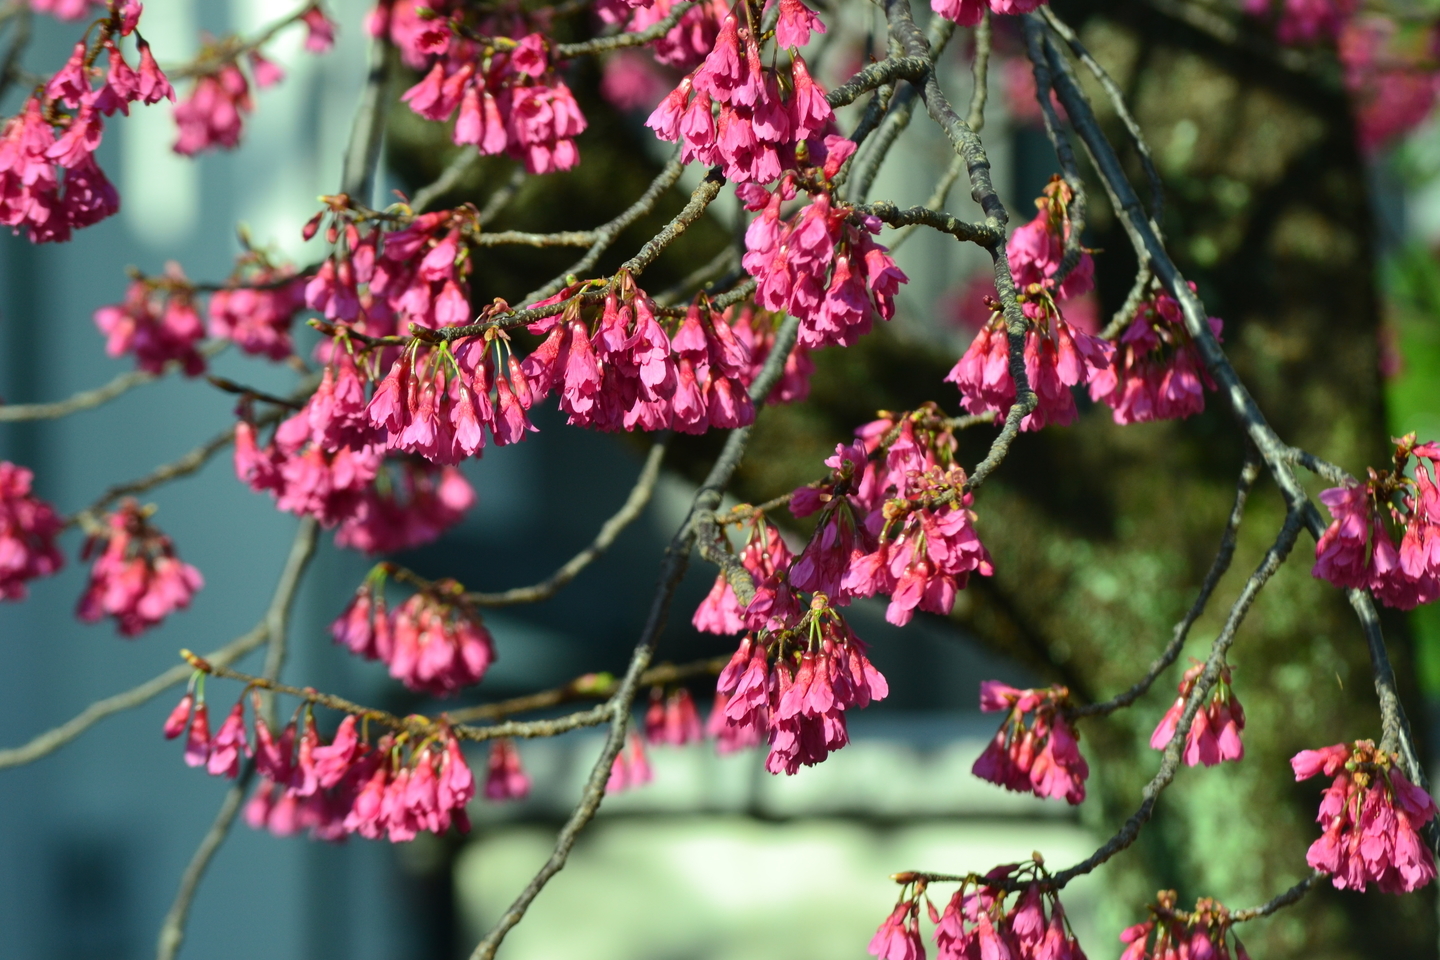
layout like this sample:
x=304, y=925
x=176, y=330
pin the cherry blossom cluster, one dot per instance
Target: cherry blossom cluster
x=327, y=461
x=28, y=528
x=505, y=89
x=672, y=719
x=794, y=685
x=435, y=641
x=1035, y=750
x=982, y=922
x=895, y=519
x=136, y=577
x=729, y=112
x=1205, y=932
x=687, y=43
x=1156, y=373
x=1058, y=355
x=157, y=322
x=1372, y=816
x=436, y=401
x=967, y=13
x=1214, y=734
x=1358, y=549
x=213, y=114
x=819, y=264
x=346, y=786
x=505, y=778
x=631, y=767
x=379, y=282
x=44, y=142
x=629, y=373
x=257, y=307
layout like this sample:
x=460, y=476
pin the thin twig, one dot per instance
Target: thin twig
x=592, y=686
x=498, y=200
x=57, y=737
x=606, y=235
x=634, y=505
x=1075, y=211
x=565, y=51
x=980, y=73
x=277, y=618
x=172, y=931
x=982, y=233
x=937, y=199
x=700, y=199
x=97, y=396
x=1248, y=475
x=453, y=173
x=1122, y=110
x=1293, y=895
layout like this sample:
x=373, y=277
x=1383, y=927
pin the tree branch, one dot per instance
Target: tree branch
x=634, y=505
x=1248, y=475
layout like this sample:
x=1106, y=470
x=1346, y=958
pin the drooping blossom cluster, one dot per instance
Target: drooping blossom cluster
x=328, y=461
x=213, y=114
x=1035, y=750
x=1358, y=549
x=631, y=767
x=50, y=183
x=1170, y=934
x=895, y=519
x=1058, y=355
x=818, y=264
x=730, y=112
x=157, y=322
x=382, y=282
x=136, y=577
x=257, y=307
x=28, y=528
x=1372, y=816
x=435, y=641
x=505, y=89
x=1214, y=734
x=396, y=788
x=629, y=373
x=672, y=720
x=793, y=685
x=505, y=778
x=686, y=44
x=967, y=13
x=981, y=921
x=1156, y=373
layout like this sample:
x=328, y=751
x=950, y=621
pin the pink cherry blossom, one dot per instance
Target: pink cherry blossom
x=505, y=778
x=136, y=578
x=156, y=322
x=1372, y=816
x=28, y=528
x=1214, y=734
x=1035, y=750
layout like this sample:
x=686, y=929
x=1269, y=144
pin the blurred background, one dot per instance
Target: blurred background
x=1320, y=260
